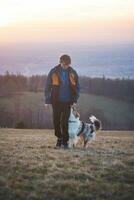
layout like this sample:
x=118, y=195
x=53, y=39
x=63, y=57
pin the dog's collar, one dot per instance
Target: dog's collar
x=72, y=121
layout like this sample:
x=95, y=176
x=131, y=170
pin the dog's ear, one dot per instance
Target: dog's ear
x=77, y=114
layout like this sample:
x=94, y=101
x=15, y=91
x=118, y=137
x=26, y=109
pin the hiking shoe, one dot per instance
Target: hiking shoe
x=65, y=146
x=59, y=143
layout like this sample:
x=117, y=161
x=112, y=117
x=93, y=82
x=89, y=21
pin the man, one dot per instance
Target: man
x=62, y=91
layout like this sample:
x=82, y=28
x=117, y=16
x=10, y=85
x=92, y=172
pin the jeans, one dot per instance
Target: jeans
x=61, y=113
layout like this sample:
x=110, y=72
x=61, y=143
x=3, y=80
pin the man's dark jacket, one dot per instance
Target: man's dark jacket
x=53, y=84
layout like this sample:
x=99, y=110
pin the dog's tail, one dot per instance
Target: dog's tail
x=92, y=118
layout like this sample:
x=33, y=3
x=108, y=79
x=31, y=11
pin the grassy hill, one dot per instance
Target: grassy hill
x=112, y=113
x=31, y=169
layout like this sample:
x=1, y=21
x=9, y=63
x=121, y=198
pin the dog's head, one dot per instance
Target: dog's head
x=96, y=122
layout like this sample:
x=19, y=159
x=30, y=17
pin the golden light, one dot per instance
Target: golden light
x=26, y=11
x=67, y=19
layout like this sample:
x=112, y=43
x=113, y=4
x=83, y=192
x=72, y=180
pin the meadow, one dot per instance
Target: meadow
x=31, y=169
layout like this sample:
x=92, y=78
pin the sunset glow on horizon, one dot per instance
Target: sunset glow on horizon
x=61, y=20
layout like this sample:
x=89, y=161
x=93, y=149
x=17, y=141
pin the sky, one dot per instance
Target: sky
x=66, y=21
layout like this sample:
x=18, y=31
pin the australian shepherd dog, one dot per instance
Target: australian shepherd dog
x=79, y=130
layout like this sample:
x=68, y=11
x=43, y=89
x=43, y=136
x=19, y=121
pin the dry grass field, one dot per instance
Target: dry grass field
x=31, y=169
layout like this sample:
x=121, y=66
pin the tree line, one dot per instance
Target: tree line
x=121, y=89
x=26, y=115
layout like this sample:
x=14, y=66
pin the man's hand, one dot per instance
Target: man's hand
x=73, y=106
x=47, y=106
